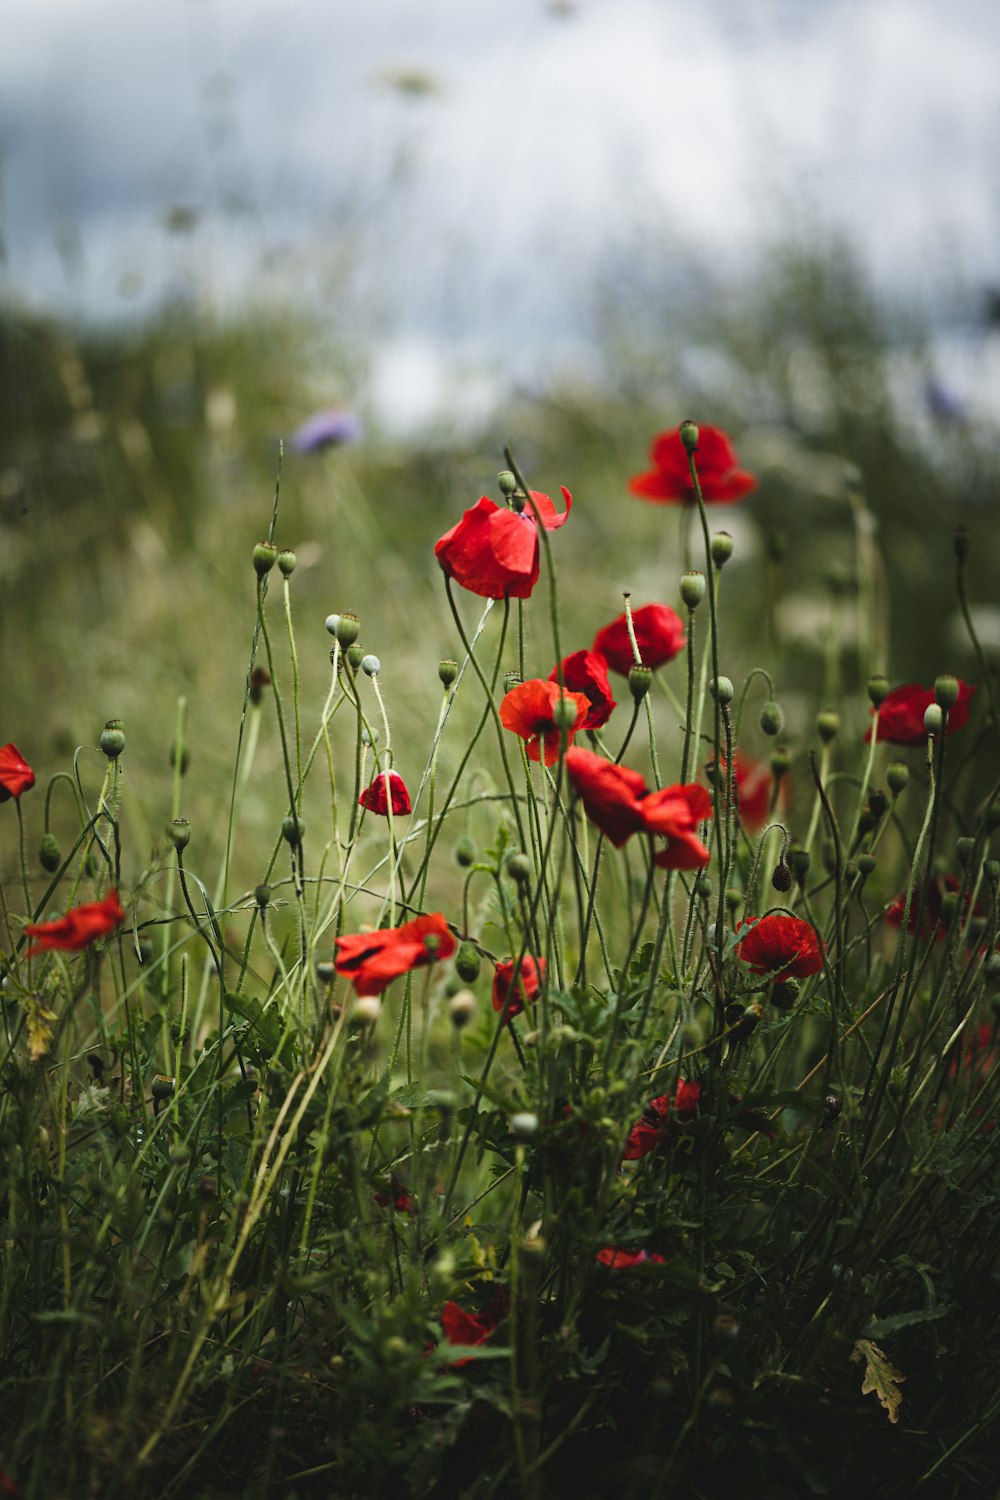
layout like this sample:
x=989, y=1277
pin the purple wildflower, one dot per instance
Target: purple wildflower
x=325, y=429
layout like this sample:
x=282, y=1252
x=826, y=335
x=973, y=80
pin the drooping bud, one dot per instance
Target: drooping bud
x=878, y=689
x=265, y=555
x=963, y=850
x=49, y=853
x=519, y=868
x=447, y=672
x=703, y=886
x=772, y=720
x=827, y=724
x=878, y=803
x=286, y=562
x=688, y=433
x=639, y=679
x=692, y=588
x=722, y=690
x=781, y=877
x=897, y=774
x=946, y=691
x=112, y=740
x=991, y=869
x=179, y=833
x=866, y=864
x=292, y=830
x=370, y=665
x=933, y=718
x=721, y=548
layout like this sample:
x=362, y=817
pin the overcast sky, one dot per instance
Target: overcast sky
x=424, y=161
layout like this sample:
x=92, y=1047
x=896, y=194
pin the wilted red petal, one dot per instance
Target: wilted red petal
x=611, y=794
x=676, y=812
x=372, y=960
x=659, y=634
x=374, y=797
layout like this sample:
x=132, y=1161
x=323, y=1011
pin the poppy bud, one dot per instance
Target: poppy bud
x=722, y=690
x=112, y=740
x=366, y=1010
x=179, y=833
x=991, y=968
x=447, y=672
x=866, y=864
x=292, y=829
x=369, y=735
x=726, y=1328
x=506, y=482
x=781, y=877
x=772, y=720
x=262, y=895
x=49, y=853
x=897, y=775
x=827, y=724
x=265, y=555
x=781, y=761
x=960, y=541
x=703, y=885
x=798, y=861
x=963, y=850
x=878, y=689
x=465, y=852
x=692, y=589
x=564, y=712
x=639, y=678
x=325, y=972
x=519, y=868
x=734, y=898
x=511, y=680
x=688, y=434
x=524, y=1125
x=784, y=993
x=878, y=803
x=370, y=665
x=850, y=872
x=461, y=1008
x=355, y=654
x=347, y=629
x=949, y=905
x=933, y=718
x=286, y=562
x=467, y=962
x=721, y=548
x=946, y=691
x=991, y=869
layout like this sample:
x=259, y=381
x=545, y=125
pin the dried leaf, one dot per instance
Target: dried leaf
x=880, y=1376
x=40, y=1020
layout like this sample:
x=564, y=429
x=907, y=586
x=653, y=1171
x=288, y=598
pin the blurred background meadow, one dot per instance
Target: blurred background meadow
x=565, y=225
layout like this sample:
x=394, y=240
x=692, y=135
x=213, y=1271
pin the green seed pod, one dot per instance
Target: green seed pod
x=447, y=672
x=639, y=679
x=325, y=972
x=265, y=555
x=49, y=853
x=347, y=629
x=506, y=482
x=262, y=896
x=179, y=833
x=866, y=864
x=692, y=588
x=112, y=740
x=370, y=665
x=120, y=1120
x=564, y=713
x=827, y=725
x=355, y=654
x=519, y=868
x=933, y=718
x=949, y=905
x=292, y=829
x=162, y=1087
x=733, y=898
x=772, y=720
x=511, y=680
x=180, y=1154
x=467, y=962
x=878, y=689
x=946, y=691
x=465, y=852
x=991, y=869
x=897, y=775
x=963, y=850
x=286, y=562
x=781, y=761
x=722, y=690
x=688, y=432
x=703, y=886
x=721, y=548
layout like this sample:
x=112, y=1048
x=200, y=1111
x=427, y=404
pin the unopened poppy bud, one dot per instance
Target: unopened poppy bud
x=366, y=1010
x=781, y=761
x=511, y=680
x=963, y=850
x=781, y=877
x=265, y=555
x=370, y=665
x=850, y=872
x=991, y=869
x=878, y=689
x=722, y=689
x=639, y=679
x=991, y=968
x=772, y=720
x=933, y=718
x=564, y=713
x=432, y=943
x=292, y=829
x=703, y=885
x=524, y=1125
x=286, y=562
x=688, y=433
x=949, y=905
x=162, y=1087
x=447, y=672
x=734, y=898
x=946, y=691
x=961, y=540
x=461, y=1008
x=798, y=862
x=465, y=852
x=692, y=588
x=784, y=993
x=506, y=482
x=519, y=868
x=49, y=853
x=112, y=740
x=369, y=735
x=827, y=724
x=721, y=548
x=179, y=833
x=897, y=775
x=347, y=629
x=262, y=895
x=866, y=864
x=467, y=962
x=325, y=972
x=355, y=654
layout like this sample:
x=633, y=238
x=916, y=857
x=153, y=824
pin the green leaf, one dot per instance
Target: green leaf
x=879, y=1327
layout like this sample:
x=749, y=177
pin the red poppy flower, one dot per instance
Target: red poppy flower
x=398, y=1198
x=676, y=812
x=521, y=984
x=650, y=1130
x=624, y=1260
x=659, y=634
x=587, y=673
x=933, y=924
x=372, y=960
x=16, y=776
x=78, y=928
x=528, y=710
x=464, y=1328
x=374, y=797
x=669, y=480
x=901, y=716
x=618, y=801
x=754, y=789
x=784, y=947
x=493, y=551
